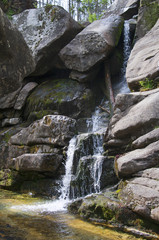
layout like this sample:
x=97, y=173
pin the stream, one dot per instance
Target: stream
x=21, y=219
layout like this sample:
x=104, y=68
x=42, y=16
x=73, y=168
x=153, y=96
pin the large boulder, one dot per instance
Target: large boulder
x=147, y=17
x=137, y=160
x=16, y=62
x=53, y=130
x=61, y=96
x=93, y=44
x=124, y=8
x=40, y=162
x=143, y=64
x=46, y=31
x=137, y=119
x=141, y=193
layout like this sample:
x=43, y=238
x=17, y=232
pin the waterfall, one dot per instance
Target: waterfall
x=122, y=86
x=65, y=189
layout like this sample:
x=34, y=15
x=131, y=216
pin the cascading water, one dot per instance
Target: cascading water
x=122, y=86
x=65, y=189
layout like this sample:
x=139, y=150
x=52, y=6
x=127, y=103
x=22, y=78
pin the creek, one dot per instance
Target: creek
x=24, y=217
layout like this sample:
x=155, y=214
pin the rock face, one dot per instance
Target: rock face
x=148, y=15
x=14, y=64
x=141, y=193
x=93, y=44
x=124, y=8
x=52, y=130
x=46, y=31
x=133, y=136
x=61, y=96
x=143, y=62
x=25, y=91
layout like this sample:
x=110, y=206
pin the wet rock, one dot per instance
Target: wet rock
x=46, y=31
x=42, y=187
x=51, y=130
x=137, y=160
x=124, y=8
x=61, y=96
x=15, y=65
x=93, y=44
x=25, y=91
x=143, y=62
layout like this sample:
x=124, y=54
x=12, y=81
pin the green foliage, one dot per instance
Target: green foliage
x=92, y=17
x=10, y=13
x=147, y=84
x=48, y=8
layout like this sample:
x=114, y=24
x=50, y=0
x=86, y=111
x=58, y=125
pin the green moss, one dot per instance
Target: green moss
x=53, y=14
x=48, y=7
x=151, y=13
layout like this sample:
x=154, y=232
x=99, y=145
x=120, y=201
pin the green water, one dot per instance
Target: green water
x=18, y=223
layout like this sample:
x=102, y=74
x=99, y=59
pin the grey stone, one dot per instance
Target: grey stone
x=25, y=91
x=10, y=121
x=93, y=44
x=138, y=160
x=141, y=194
x=146, y=139
x=132, y=120
x=16, y=62
x=147, y=16
x=46, y=31
x=51, y=130
x=124, y=8
x=143, y=61
x=37, y=162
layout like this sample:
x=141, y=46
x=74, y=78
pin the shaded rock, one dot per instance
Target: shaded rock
x=84, y=76
x=124, y=8
x=15, y=65
x=147, y=17
x=25, y=91
x=138, y=160
x=42, y=187
x=51, y=130
x=46, y=31
x=10, y=121
x=37, y=162
x=143, y=61
x=62, y=96
x=5, y=135
x=93, y=44
x=146, y=139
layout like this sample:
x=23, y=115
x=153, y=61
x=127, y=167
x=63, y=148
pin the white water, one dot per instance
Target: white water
x=97, y=172
x=65, y=190
x=122, y=86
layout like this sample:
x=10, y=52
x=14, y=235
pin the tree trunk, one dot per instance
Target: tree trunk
x=109, y=89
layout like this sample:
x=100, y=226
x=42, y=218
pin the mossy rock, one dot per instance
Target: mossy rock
x=61, y=96
x=148, y=16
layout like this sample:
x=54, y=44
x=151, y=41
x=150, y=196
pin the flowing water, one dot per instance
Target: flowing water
x=122, y=86
x=19, y=223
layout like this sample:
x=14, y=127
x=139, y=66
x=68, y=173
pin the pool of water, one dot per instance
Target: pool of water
x=23, y=217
